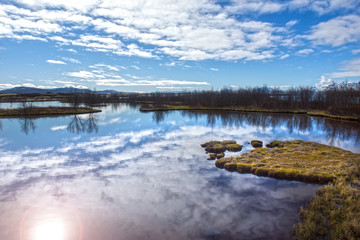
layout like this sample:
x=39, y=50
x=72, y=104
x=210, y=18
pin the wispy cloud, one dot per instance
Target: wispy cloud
x=349, y=69
x=55, y=62
x=337, y=31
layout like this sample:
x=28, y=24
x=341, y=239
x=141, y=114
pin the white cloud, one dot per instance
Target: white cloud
x=325, y=83
x=72, y=60
x=214, y=69
x=304, y=52
x=55, y=62
x=187, y=29
x=260, y=6
x=356, y=51
x=56, y=128
x=291, y=23
x=337, y=31
x=350, y=69
x=81, y=74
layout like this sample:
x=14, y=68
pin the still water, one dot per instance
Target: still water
x=123, y=174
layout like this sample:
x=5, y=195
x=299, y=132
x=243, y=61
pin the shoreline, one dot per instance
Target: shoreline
x=311, y=113
x=44, y=112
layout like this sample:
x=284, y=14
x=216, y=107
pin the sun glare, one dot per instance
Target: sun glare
x=53, y=230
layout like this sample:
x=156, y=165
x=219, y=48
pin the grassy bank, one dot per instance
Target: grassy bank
x=44, y=111
x=334, y=213
x=314, y=113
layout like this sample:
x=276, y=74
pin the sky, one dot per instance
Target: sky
x=172, y=45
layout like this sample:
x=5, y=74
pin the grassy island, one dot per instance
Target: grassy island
x=45, y=111
x=334, y=213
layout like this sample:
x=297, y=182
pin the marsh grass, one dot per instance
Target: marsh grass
x=297, y=160
x=334, y=213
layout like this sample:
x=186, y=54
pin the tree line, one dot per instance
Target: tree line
x=341, y=100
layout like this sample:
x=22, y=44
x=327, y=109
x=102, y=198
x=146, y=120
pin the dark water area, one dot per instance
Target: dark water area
x=123, y=174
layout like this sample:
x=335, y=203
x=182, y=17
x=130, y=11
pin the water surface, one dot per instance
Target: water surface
x=123, y=174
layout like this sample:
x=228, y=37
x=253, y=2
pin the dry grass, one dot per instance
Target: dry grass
x=297, y=160
x=334, y=213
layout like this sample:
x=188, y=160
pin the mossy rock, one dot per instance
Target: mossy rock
x=212, y=156
x=233, y=147
x=220, y=155
x=216, y=148
x=204, y=145
x=231, y=167
x=256, y=143
x=226, y=142
x=220, y=163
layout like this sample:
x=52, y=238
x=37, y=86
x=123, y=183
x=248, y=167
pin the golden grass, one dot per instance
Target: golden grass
x=334, y=213
x=44, y=111
x=297, y=160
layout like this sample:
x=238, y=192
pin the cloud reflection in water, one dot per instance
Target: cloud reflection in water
x=149, y=181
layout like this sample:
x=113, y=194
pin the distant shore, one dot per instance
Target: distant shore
x=314, y=113
x=44, y=111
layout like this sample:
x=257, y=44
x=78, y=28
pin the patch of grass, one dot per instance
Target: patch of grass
x=334, y=213
x=297, y=160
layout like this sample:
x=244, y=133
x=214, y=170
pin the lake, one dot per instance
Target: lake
x=123, y=174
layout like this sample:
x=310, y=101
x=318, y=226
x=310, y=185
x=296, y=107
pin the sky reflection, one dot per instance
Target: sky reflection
x=135, y=178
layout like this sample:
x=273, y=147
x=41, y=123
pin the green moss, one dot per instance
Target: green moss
x=226, y=142
x=212, y=156
x=210, y=143
x=233, y=147
x=256, y=143
x=216, y=148
x=220, y=155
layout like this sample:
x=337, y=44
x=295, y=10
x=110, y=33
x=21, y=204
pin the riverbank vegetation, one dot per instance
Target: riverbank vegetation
x=334, y=213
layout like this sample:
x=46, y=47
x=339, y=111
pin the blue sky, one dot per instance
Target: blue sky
x=171, y=45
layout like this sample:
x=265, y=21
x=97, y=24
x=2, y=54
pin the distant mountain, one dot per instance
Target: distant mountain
x=29, y=90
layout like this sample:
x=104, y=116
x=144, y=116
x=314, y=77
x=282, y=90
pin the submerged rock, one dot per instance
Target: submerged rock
x=256, y=143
